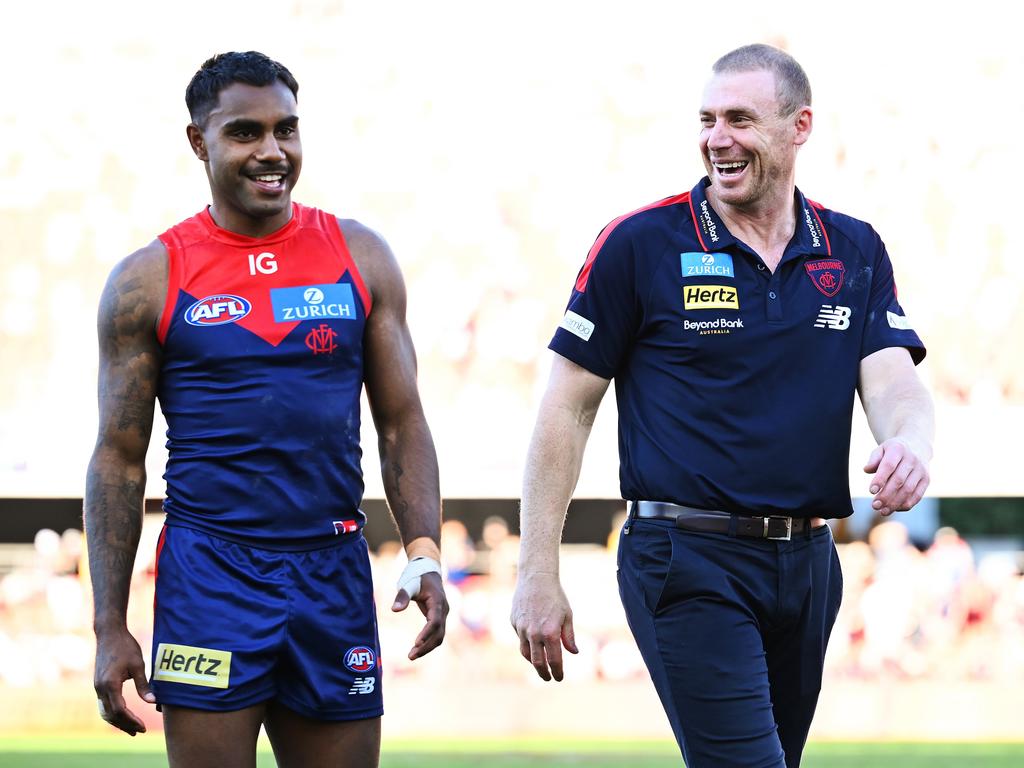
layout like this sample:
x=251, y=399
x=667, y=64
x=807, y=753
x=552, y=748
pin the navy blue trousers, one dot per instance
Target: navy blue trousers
x=733, y=631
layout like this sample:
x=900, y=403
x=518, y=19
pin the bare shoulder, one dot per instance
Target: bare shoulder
x=373, y=258
x=135, y=291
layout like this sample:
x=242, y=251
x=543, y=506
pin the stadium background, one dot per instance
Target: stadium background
x=490, y=143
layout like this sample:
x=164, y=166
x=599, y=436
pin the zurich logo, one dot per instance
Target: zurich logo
x=328, y=301
x=700, y=264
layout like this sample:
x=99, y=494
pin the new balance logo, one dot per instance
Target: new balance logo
x=837, y=318
x=362, y=685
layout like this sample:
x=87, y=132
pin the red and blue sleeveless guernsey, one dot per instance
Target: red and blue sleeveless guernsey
x=260, y=381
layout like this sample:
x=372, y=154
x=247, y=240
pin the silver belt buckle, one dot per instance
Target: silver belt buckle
x=789, y=528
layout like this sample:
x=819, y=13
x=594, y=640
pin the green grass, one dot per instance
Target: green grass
x=147, y=752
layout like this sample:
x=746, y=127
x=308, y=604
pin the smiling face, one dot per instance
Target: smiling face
x=250, y=144
x=749, y=148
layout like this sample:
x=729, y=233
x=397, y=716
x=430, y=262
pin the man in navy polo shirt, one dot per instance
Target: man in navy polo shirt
x=738, y=321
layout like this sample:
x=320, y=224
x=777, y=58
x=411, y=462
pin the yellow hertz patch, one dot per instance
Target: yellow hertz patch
x=194, y=666
x=710, y=297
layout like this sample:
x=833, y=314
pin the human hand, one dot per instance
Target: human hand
x=119, y=658
x=900, y=476
x=542, y=618
x=433, y=604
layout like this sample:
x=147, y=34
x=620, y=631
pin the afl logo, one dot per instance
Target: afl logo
x=217, y=310
x=360, y=659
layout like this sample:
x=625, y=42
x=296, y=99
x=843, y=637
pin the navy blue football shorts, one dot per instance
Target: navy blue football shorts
x=733, y=631
x=236, y=625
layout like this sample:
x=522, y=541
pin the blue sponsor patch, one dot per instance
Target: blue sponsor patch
x=706, y=264
x=313, y=302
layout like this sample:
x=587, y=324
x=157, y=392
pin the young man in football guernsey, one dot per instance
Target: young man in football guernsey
x=738, y=320
x=256, y=323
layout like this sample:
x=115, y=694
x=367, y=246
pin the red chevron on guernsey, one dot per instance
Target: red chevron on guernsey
x=581, y=280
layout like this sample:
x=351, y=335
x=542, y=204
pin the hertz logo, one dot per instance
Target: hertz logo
x=194, y=666
x=710, y=297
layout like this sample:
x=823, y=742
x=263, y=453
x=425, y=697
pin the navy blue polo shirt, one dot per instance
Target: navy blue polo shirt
x=735, y=385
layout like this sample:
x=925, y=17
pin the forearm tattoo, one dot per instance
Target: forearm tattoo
x=411, y=482
x=399, y=506
x=113, y=521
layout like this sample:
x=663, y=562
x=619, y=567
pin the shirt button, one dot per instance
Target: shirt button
x=761, y=267
x=771, y=294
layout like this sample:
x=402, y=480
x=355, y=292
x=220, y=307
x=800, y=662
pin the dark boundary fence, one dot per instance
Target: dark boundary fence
x=589, y=520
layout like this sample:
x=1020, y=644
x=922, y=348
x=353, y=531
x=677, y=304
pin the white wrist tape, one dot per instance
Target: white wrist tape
x=410, y=578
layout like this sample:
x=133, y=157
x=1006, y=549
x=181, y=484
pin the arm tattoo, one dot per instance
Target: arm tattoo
x=400, y=506
x=116, y=483
x=410, y=481
x=113, y=521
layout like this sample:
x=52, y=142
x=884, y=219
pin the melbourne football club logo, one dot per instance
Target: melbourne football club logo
x=827, y=275
x=321, y=340
x=360, y=659
x=217, y=310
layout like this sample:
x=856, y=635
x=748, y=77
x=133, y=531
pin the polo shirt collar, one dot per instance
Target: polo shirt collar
x=810, y=237
x=712, y=233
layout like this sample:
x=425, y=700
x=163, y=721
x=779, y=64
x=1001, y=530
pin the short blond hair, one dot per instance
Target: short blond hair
x=792, y=88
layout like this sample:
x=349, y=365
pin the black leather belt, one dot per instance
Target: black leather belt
x=774, y=527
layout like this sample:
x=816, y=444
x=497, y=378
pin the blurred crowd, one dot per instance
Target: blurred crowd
x=491, y=181
x=932, y=613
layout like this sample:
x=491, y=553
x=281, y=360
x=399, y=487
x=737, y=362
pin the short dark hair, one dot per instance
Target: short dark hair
x=223, y=69
x=792, y=88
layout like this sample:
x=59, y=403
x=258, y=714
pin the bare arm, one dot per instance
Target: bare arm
x=116, y=482
x=540, y=611
x=407, y=458
x=902, y=419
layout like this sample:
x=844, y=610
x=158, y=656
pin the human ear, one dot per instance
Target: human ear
x=197, y=142
x=803, y=122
